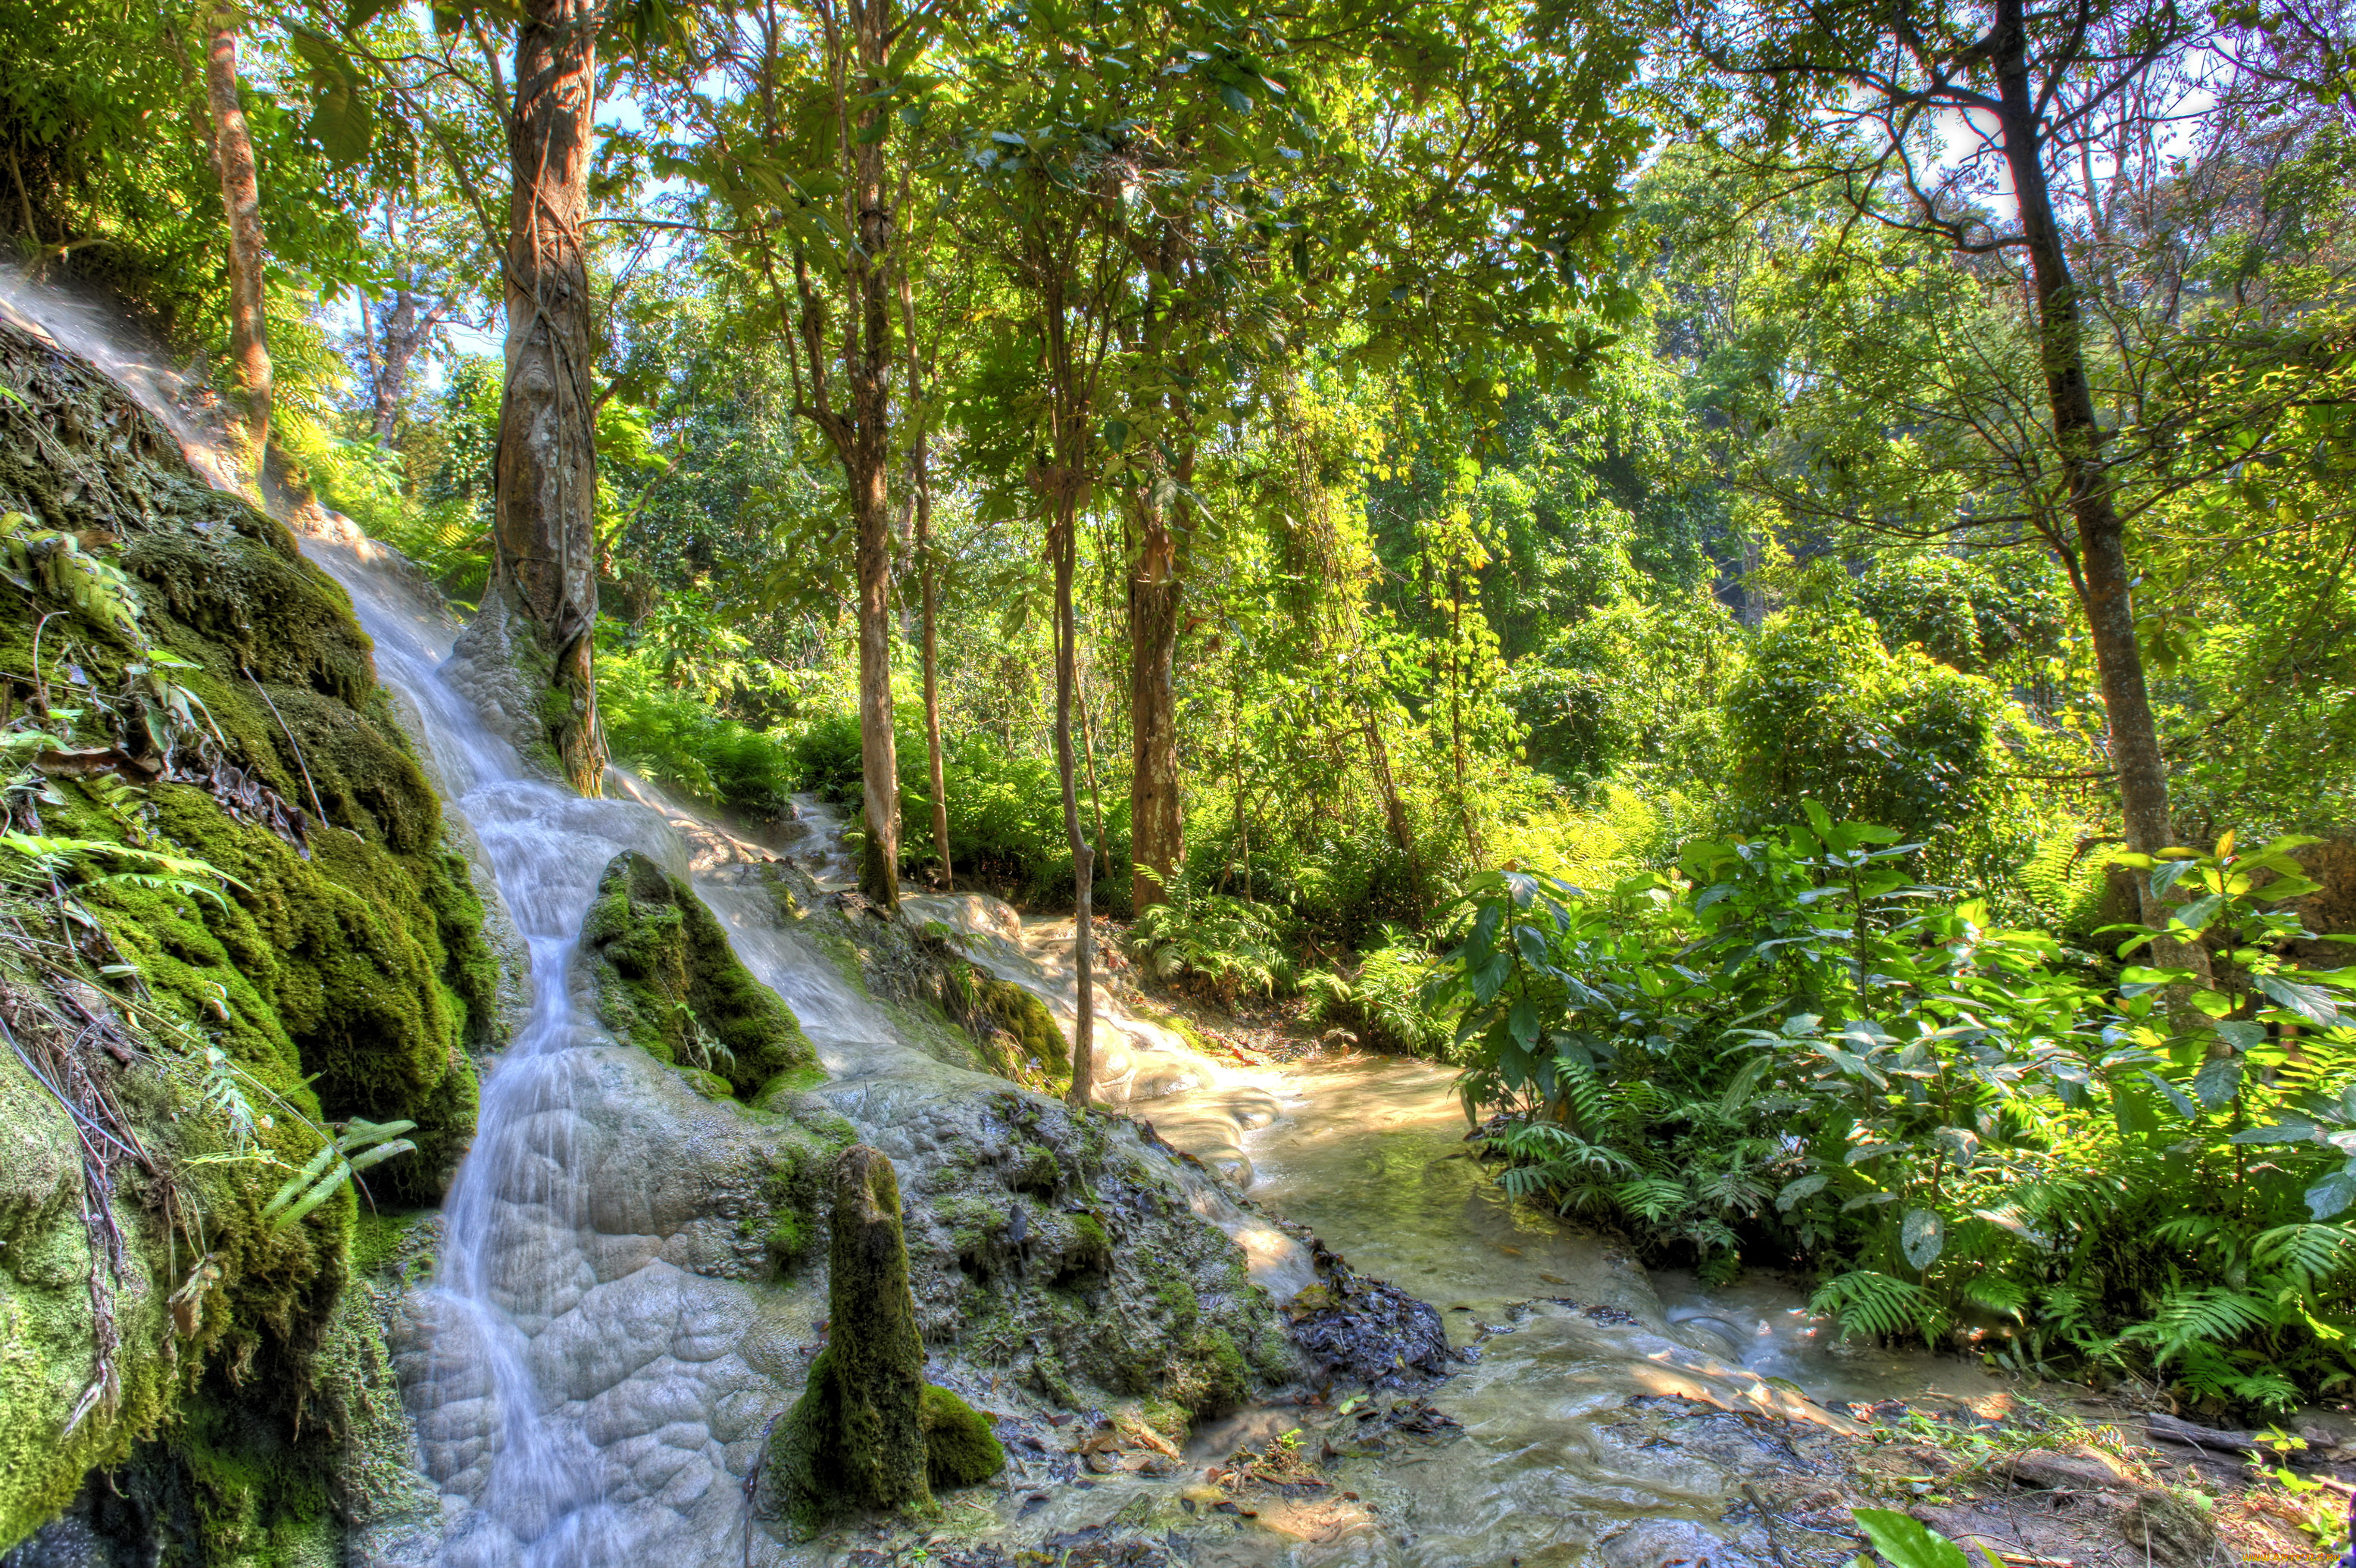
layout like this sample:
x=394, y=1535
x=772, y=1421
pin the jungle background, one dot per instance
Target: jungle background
x=1601, y=544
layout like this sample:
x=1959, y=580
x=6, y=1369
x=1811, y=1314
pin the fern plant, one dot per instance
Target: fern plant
x=340, y=1159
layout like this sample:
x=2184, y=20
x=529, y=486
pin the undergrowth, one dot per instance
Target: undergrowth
x=1792, y=1052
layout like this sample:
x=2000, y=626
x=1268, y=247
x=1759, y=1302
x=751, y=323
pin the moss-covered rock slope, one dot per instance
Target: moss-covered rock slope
x=230, y=925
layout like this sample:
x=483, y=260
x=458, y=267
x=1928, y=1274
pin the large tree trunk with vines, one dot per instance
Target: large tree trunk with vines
x=233, y=147
x=545, y=568
x=2104, y=572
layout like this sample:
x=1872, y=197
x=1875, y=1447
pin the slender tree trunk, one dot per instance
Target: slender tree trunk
x=547, y=460
x=920, y=482
x=1063, y=546
x=932, y=657
x=2078, y=433
x=867, y=459
x=249, y=332
x=1089, y=751
x=1157, y=828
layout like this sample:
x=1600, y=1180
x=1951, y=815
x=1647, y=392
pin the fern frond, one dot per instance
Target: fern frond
x=2310, y=1253
x=1867, y=1302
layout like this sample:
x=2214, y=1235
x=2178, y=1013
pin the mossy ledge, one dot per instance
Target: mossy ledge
x=341, y=974
x=668, y=982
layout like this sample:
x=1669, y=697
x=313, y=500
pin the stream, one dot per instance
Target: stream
x=590, y=1383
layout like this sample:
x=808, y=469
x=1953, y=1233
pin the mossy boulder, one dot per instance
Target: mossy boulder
x=856, y=1438
x=216, y=703
x=668, y=982
x=959, y=1448
x=1019, y=1036
x=1052, y=1244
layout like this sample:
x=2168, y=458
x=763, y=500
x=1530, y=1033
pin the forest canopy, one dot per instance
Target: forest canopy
x=1770, y=581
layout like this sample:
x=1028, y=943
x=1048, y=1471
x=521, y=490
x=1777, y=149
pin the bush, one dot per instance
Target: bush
x=1800, y=1055
x=1383, y=1006
x=1226, y=947
x=681, y=744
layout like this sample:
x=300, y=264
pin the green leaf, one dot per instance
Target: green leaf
x=1234, y=98
x=1923, y=1237
x=1804, y=1187
x=2176, y=1097
x=2242, y=1035
x=2218, y=1080
x=1907, y=1542
x=2332, y=1195
x=2312, y=1003
x=2196, y=915
x=1524, y=1022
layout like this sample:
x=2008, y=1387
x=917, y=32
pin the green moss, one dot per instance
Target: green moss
x=789, y=1238
x=332, y=970
x=959, y=1448
x=1035, y=1052
x=795, y=1192
x=47, y=1340
x=1090, y=1249
x=346, y=977
x=1037, y=1171
x=668, y=983
x=855, y=1439
x=378, y=1235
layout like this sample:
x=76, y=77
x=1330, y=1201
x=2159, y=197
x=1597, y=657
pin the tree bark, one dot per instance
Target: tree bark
x=1156, y=827
x=546, y=465
x=405, y=329
x=240, y=191
x=2104, y=573
x=920, y=482
x=1061, y=544
x=931, y=659
x=866, y=457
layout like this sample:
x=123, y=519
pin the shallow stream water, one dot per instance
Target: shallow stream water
x=586, y=1394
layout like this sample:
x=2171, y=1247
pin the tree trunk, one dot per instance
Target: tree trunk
x=405, y=329
x=865, y=458
x=932, y=658
x=1063, y=546
x=249, y=332
x=920, y=484
x=2079, y=435
x=547, y=460
x=1157, y=829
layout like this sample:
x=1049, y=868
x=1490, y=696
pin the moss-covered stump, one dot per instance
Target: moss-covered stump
x=856, y=1437
x=668, y=982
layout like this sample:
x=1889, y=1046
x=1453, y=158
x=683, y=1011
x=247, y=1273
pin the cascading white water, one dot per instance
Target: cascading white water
x=511, y=1258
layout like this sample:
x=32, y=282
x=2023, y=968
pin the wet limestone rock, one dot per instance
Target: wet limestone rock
x=668, y=982
x=856, y=1438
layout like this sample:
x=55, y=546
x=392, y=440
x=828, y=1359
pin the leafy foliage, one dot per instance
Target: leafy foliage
x=1794, y=1050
